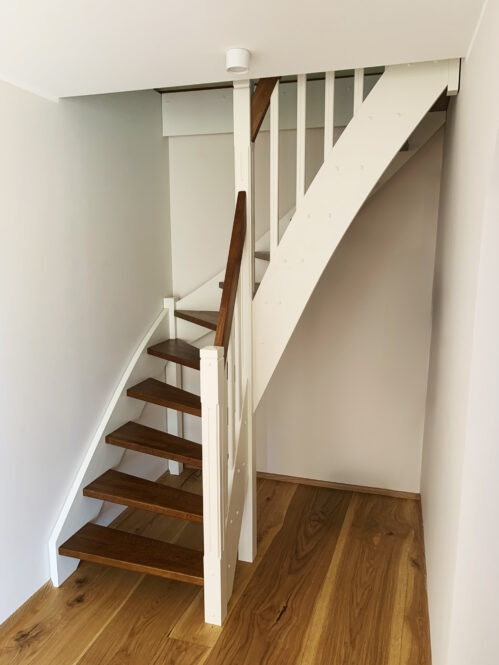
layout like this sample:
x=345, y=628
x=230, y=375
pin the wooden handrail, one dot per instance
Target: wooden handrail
x=226, y=314
x=260, y=102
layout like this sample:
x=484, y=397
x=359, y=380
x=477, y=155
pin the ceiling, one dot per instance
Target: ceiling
x=61, y=48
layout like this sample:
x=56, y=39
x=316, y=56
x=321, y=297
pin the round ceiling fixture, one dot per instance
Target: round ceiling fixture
x=237, y=60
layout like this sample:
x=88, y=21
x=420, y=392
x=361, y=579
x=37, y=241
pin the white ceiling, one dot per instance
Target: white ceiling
x=75, y=47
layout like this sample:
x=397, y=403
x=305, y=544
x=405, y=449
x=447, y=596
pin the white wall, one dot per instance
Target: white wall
x=347, y=400
x=202, y=197
x=460, y=460
x=84, y=265
x=201, y=207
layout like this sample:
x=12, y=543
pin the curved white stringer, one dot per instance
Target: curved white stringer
x=381, y=125
x=78, y=509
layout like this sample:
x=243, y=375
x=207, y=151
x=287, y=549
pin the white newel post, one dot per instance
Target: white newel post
x=243, y=164
x=214, y=436
x=173, y=376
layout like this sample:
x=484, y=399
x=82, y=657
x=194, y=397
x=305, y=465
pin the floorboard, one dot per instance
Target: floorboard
x=339, y=579
x=269, y=621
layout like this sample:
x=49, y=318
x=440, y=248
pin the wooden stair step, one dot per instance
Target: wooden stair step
x=157, y=392
x=257, y=284
x=134, y=492
x=132, y=552
x=134, y=436
x=264, y=256
x=207, y=319
x=177, y=351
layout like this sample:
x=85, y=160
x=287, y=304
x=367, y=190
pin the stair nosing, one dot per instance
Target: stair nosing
x=115, y=439
x=90, y=531
x=174, y=357
x=121, y=498
x=168, y=402
x=190, y=315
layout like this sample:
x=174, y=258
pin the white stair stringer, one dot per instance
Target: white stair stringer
x=381, y=125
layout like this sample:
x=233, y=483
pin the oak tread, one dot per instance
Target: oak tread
x=143, y=439
x=128, y=490
x=221, y=285
x=177, y=351
x=163, y=394
x=205, y=318
x=264, y=256
x=127, y=550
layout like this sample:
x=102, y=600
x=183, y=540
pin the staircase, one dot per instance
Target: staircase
x=124, y=550
x=251, y=332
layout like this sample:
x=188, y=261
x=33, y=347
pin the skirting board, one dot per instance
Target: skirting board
x=414, y=496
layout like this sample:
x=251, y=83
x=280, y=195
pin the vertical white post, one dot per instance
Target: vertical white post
x=454, y=76
x=274, y=170
x=173, y=376
x=243, y=160
x=301, y=131
x=237, y=353
x=214, y=436
x=358, y=89
x=231, y=425
x=328, y=113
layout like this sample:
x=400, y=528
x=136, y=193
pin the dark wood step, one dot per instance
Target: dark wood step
x=157, y=392
x=127, y=550
x=177, y=351
x=128, y=490
x=134, y=436
x=257, y=284
x=207, y=319
x=264, y=256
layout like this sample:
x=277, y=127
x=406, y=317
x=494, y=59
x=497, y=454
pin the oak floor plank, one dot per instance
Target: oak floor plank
x=273, y=499
x=178, y=652
x=415, y=641
x=361, y=612
x=139, y=632
x=58, y=630
x=269, y=620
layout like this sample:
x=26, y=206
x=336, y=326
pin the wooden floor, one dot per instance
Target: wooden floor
x=339, y=580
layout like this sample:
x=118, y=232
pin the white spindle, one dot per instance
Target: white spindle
x=328, y=113
x=301, y=129
x=358, y=89
x=237, y=354
x=214, y=436
x=274, y=170
x=243, y=160
x=231, y=426
x=173, y=376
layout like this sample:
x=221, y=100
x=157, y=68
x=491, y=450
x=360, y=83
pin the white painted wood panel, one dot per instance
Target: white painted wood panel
x=384, y=121
x=301, y=127
x=328, y=112
x=211, y=111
